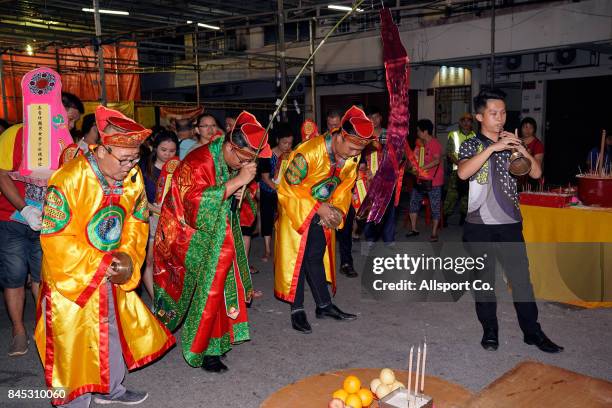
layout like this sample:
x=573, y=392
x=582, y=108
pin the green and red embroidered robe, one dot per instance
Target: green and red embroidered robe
x=201, y=272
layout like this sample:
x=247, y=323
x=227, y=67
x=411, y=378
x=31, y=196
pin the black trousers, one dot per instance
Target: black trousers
x=345, y=238
x=514, y=261
x=267, y=208
x=312, y=268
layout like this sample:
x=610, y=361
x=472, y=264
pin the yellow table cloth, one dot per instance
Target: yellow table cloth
x=570, y=254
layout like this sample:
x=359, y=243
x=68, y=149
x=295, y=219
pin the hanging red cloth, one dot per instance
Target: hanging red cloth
x=397, y=67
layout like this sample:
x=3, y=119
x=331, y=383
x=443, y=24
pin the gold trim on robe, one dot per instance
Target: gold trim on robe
x=308, y=181
x=85, y=220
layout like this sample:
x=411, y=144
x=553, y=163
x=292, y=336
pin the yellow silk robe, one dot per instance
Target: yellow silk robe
x=84, y=220
x=308, y=181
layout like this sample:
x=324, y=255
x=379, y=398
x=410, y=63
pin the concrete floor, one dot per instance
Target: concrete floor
x=381, y=336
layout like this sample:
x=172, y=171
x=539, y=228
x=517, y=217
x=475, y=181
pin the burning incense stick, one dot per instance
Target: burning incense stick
x=410, y=368
x=423, y=368
x=418, y=368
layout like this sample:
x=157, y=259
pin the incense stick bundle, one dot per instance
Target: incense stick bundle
x=419, y=378
x=600, y=159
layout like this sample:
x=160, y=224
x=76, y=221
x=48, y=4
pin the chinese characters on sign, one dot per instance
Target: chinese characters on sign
x=39, y=132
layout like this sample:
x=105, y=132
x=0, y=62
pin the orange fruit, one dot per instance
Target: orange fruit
x=353, y=401
x=340, y=394
x=366, y=397
x=351, y=384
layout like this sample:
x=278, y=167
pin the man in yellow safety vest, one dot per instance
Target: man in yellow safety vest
x=457, y=189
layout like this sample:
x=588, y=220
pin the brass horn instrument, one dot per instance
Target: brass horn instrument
x=519, y=164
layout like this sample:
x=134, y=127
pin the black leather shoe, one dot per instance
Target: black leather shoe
x=299, y=322
x=349, y=271
x=333, y=312
x=490, y=340
x=213, y=364
x=542, y=342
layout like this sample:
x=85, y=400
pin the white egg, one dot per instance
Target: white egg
x=374, y=384
x=383, y=390
x=387, y=376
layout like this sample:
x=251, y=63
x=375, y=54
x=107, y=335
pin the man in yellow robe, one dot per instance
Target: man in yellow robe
x=90, y=322
x=314, y=196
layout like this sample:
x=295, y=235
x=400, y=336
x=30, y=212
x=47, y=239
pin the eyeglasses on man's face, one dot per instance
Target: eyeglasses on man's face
x=122, y=162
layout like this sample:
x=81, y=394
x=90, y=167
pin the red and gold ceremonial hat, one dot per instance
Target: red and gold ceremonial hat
x=309, y=129
x=364, y=129
x=116, y=129
x=254, y=133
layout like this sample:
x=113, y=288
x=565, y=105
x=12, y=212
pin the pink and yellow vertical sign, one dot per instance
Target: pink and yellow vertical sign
x=45, y=123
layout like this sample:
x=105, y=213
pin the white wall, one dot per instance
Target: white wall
x=545, y=27
x=422, y=78
x=534, y=100
x=517, y=31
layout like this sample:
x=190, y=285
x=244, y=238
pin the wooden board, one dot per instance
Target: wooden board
x=316, y=391
x=537, y=385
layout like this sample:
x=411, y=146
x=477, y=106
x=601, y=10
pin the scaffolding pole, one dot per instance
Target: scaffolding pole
x=281, y=48
x=102, y=82
x=57, y=62
x=14, y=96
x=4, y=102
x=492, y=62
x=197, y=63
x=313, y=87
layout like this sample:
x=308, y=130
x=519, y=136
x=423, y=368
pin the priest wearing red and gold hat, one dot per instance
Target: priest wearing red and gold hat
x=314, y=196
x=90, y=322
x=201, y=272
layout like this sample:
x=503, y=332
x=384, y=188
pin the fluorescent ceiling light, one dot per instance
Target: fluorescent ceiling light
x=38, y=20
x=342, y=8
x=211, y=27
x=105, y=11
